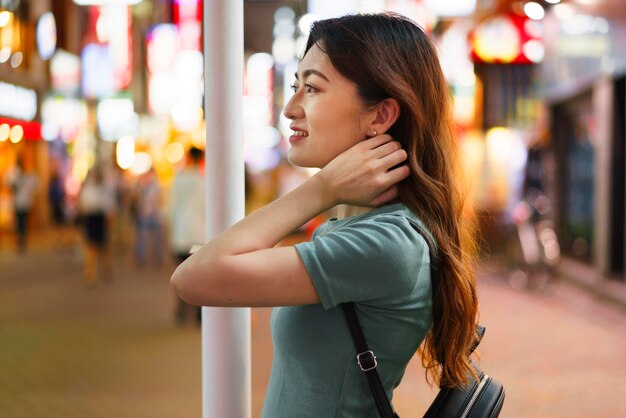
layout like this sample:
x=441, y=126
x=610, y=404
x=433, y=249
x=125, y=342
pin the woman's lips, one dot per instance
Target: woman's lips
x=298, y=136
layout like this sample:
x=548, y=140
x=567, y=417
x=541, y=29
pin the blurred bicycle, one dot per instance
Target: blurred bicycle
x=533, y=247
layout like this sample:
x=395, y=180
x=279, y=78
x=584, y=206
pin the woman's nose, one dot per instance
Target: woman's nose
x=292, y=107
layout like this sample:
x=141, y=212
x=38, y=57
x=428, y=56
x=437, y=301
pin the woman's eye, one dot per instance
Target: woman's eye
x=307, y=88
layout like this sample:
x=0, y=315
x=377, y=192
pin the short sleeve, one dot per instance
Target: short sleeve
x=379, y=257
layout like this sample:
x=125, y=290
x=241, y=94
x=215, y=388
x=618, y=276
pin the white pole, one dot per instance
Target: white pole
x=226, y=376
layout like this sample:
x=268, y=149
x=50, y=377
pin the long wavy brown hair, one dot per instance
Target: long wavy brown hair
x=389, y=56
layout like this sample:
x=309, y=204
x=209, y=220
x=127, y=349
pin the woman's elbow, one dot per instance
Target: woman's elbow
x=184, y=285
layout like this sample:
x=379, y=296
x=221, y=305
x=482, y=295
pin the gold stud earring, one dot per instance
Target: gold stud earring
x=375, y=133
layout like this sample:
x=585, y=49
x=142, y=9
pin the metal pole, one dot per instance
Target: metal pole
x=226, y=376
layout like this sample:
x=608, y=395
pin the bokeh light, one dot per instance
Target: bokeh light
x=141, y=164
x=534, y=10
x=5, y=131
x=125, y=152
x=174, y=152
x=17, y=134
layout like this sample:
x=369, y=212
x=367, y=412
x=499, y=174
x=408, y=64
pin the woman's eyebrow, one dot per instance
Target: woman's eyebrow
x=307, y=73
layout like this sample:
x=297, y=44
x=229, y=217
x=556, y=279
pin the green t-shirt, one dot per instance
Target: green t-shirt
x=378, y=261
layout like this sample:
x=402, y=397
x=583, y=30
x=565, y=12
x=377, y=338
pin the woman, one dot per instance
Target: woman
x=371, y=109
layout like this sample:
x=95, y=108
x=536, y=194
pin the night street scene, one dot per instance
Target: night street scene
x=132, y=132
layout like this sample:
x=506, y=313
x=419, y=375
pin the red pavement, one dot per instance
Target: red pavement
x=115, y=351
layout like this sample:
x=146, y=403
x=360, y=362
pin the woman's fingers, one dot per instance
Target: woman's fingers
x=384, y=197
x=376, y=141
x=394, y=158
x=364, y=174
x=392, y=178
x=398, y=174
x=389, y=185
x=386, y=149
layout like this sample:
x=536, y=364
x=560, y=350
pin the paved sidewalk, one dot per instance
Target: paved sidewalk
x=114, y=350
x=109, y=351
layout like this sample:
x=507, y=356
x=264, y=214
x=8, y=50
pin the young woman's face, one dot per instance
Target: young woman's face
x=326, y=114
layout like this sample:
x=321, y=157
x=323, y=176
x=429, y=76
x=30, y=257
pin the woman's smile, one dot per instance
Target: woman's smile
x=297, y=135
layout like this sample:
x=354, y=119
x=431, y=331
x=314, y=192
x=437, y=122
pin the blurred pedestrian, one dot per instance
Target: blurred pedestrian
x=372, y=110
x=96, y=204
x=186, y=219
x=148, y=228
x=123, y=184
x=23, y=183
x=56, y=198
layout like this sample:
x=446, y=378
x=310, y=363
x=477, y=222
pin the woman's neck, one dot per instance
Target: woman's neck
x=345, y=211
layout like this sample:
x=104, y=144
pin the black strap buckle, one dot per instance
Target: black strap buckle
x=367, y=360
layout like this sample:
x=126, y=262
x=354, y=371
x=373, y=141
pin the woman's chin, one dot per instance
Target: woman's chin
x=300, y=160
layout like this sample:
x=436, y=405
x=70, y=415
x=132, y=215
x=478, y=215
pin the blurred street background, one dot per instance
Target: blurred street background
x=102, y=101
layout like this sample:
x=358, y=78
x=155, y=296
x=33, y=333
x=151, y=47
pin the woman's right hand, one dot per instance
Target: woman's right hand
x=363, y=174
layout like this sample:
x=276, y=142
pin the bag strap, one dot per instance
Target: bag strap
x=366, y=358
x=367, y=362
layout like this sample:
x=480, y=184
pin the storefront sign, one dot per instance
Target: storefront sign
x=97, y=80
x=175, y=75
x=188, y=19
x=584, y=43
x=62, y=117
x=106, y=2
x=507, y=39
x=17, y=102
x=46, y=35
x=117, y=118
x=113, y=28
x=451, y=8
x=16, y=130
x=65, y=73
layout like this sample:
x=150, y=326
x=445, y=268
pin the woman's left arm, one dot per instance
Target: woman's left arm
x=241, y=267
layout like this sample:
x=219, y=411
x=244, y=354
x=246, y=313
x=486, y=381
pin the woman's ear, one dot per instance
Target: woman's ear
x=387, y=113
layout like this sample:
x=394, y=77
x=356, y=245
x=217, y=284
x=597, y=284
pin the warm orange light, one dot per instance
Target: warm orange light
x=5, y=18
x=497, y=40
x=17, y=133
x=174, y=152
x=5, y=131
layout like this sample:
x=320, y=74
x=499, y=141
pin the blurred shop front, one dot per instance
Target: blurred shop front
x=584, y=87
x=25, y=45
x=506, y=48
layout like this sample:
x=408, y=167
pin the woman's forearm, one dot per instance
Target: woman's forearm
x=265, y=227
x=208, y=276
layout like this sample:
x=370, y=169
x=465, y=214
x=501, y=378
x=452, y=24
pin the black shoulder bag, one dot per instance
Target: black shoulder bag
x=482, y=398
